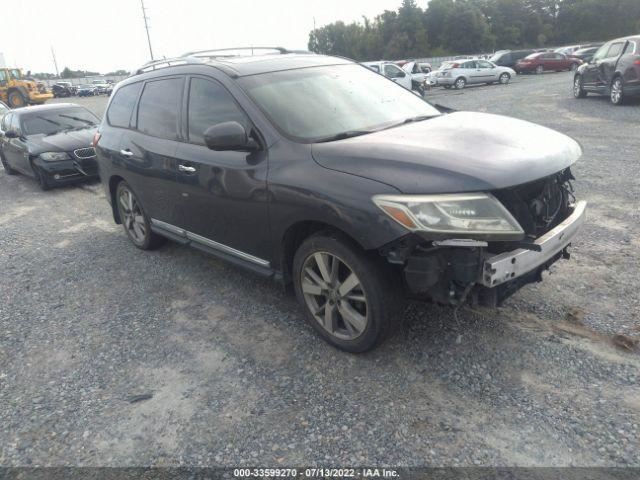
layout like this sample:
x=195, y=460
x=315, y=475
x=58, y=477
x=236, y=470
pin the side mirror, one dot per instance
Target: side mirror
x=229, y=136
x=11, y=134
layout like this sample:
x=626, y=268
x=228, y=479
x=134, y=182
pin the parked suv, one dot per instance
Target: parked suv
x=614, y=71
x=509, y=58
x=315, y=171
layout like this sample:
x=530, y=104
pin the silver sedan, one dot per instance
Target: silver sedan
x=461, y=73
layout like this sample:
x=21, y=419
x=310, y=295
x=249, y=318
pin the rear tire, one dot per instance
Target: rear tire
x=505, y=78
x=573, y=67
x=539, y=70
x=617, y=91
x=7, y=168
x=460, y=83
x=134, y=220
x=349, y=298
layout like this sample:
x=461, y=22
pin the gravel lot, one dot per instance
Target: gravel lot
x=88, y=322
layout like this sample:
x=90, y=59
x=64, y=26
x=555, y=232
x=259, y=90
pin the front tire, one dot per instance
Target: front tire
x=16, y=100
x=5, y=164
x=617, y=91
x=134, y=220
x=43, y=179
x=348, y=297
x=578, y=88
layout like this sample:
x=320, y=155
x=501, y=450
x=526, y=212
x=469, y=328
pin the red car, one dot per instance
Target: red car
x=547, y=61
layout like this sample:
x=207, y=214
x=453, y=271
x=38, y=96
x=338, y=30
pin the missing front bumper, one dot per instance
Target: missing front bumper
x=509, y=266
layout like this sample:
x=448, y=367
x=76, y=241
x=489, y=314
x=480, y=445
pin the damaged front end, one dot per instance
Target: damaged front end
x=541, y=219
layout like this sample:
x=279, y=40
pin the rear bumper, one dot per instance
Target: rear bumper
x=509, y=266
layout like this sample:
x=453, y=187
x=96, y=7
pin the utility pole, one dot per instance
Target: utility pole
x=146, y=26
x=55, y=63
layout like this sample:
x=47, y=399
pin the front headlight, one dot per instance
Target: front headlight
x=54, y=156
x=478, y=215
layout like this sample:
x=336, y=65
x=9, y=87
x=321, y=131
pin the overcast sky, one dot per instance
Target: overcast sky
x=105, y=35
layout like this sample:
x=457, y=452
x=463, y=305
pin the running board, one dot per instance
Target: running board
x=237, y=257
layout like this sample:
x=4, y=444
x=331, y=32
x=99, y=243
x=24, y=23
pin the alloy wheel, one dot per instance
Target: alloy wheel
x=616, y=91
x=460, y=83
x=132, y=216
x=504, y=78
x=334, y=295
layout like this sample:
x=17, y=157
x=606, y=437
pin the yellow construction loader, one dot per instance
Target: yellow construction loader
x=18, y=91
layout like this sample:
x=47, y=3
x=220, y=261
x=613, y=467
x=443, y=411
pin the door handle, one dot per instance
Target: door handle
x=126, y=153
x=186, y=169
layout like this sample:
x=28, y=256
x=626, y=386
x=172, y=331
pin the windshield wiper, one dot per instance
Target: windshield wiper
x=344, y=135
x=78, y=119
x=419, y=118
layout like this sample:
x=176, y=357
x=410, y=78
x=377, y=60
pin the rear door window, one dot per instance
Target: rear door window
x=210, y=103
x=121, y=108
x=159, y=108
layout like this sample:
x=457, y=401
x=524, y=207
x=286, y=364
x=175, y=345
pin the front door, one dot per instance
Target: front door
x=607, y=66
x=222, y=195
x=15, y=149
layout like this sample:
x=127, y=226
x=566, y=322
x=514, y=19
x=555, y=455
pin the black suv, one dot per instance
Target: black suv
x=614, y=70
x=318, y=172
x=509, y=58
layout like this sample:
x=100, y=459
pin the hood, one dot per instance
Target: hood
x=61, y=142
x=458, y=152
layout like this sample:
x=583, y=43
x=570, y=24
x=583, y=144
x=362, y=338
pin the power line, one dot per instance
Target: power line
x=146, y=26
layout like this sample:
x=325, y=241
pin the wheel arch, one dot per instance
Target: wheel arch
x=297, y=233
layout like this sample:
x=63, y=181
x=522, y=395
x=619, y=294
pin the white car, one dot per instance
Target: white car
x=458, y=74
x=393, y=72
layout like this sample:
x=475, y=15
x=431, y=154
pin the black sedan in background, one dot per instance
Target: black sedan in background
x=51, y=143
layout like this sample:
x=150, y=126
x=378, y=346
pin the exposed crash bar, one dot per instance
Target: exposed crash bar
x=509, y=265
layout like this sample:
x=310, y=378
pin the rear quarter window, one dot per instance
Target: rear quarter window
x=121, y=108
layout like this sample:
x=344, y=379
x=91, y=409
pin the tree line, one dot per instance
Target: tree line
x=451, y=27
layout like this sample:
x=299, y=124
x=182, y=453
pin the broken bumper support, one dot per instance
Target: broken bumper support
x=508, y=266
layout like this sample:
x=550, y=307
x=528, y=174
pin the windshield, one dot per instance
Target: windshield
x=496, y=57
x=532, y=56
x=318, y=103
x=50, y=122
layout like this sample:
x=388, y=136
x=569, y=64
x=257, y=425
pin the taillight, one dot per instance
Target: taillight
x=96, y=139
x=637, y=62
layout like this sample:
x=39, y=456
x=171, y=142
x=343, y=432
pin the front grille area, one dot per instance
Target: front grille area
x=540, y=205
x=82, y=153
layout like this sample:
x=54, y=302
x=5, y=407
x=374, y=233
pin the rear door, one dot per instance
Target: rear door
x=607, y=65
x=147, y=151
x=222, y=195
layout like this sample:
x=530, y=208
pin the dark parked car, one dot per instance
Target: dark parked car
x=586, y=54
x=614, y=71
x=51, y=143
x=375, y=196
x=547, y=61
x=87, y=90
x=509, y=58
x=62, y=90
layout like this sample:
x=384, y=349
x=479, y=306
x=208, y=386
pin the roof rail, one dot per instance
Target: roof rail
x=165, y=62
x=228, y=52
